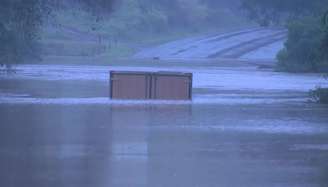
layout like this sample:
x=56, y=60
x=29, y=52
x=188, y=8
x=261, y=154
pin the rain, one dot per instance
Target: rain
x=157, y=93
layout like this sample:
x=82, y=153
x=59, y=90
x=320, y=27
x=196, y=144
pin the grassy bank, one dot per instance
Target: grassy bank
x=132, y=25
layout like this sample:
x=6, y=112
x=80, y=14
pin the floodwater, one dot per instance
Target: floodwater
x=244, y=127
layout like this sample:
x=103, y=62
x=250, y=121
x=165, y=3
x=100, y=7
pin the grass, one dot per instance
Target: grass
x=74, y=32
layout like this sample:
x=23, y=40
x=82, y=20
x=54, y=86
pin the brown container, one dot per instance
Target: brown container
x=150, y=85
x=171, y=86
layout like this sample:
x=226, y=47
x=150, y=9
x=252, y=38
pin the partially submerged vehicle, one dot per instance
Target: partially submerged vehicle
x=150, y=85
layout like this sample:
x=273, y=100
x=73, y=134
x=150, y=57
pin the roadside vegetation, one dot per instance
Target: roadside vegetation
x=133, y=25
x=20, y=28
x=306, y=49
x=34, y=29
x=19, y=24
x=306, y=21
x=114, y=28
x=307, y=46
x=320, y=95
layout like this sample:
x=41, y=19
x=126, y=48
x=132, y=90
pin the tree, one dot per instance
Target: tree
x=267, y=12
x=19, y=24
x=98, y=7
x=307, y=44
x=304, y=49
x=324, y=45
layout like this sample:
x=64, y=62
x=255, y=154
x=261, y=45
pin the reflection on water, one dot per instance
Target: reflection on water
x=155, y=145
x=249, y=78
x=58, y=128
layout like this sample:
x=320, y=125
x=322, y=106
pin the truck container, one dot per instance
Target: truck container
x=150, y=85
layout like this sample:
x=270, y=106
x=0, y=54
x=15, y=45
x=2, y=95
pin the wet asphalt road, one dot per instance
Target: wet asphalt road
x=64, y=132
x=234, y=45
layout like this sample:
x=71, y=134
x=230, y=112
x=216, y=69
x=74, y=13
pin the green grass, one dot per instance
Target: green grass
x=123, y=33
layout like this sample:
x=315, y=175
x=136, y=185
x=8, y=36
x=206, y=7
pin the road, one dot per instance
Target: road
x=234, y=45
x=244, y=127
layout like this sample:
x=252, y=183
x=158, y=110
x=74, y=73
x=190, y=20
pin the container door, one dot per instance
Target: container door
x=129, y=86
x=170, y=87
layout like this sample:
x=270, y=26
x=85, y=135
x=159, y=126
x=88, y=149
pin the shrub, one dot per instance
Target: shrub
x=304, y=51
x=320, y=95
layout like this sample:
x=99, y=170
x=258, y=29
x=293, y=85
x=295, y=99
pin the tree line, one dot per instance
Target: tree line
x=306, y=49
x=21, y=20
x=20, y=23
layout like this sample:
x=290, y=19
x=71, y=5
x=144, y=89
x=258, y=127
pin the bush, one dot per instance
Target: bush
x=320, y=95
x=19, y=28
x=304, y=50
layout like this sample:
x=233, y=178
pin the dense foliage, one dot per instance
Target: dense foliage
x=96, y=7
x=320, y=95
x=307, y=45
x=268, y=12
x=162, y=15
x=20, y=20
x=306, y=48
x=19, y=23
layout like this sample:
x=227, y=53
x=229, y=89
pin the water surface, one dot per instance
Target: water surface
x=59, y=128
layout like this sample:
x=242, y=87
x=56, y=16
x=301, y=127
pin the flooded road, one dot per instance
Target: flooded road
x=244, y=127
x=241, y=44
